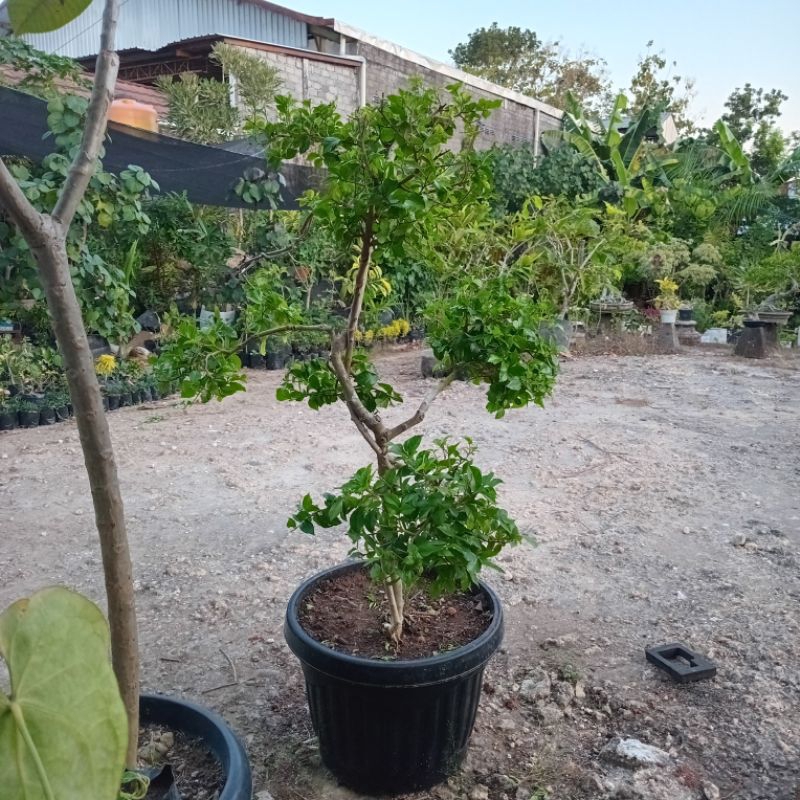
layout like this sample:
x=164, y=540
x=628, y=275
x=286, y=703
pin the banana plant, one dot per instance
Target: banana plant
x=631, y=171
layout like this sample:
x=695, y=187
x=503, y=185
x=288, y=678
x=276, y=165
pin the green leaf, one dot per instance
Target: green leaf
x=41, y=16
x=64, y=722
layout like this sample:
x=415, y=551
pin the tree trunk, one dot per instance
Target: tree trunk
x=51, y=257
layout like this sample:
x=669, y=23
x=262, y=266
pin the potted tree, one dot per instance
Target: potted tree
x=44, y=219
x=393, y=708
x=667, y=301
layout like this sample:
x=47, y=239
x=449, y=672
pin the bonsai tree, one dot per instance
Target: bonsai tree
x=47, y=233
x=397, y=172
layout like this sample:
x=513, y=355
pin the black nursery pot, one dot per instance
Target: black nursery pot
x=182, y=716
x=113, y=402
x=276, y=360
x=685, y=314
x=29, y=419
x=47, y=415
x=8, y=420
x=125, y=399
x=62, y=413
x=387, y=727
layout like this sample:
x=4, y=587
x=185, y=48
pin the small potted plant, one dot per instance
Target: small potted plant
x=719, y=332
x=28, y=411
x=667, y=301
x=8, y=411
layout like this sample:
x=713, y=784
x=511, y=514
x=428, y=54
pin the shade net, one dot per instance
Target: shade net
x=206, y=174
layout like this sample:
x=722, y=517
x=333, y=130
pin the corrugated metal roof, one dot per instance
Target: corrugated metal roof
x=151, y=24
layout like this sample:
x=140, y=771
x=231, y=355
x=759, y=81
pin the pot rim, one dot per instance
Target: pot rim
x=203, y=723
x=403, y=672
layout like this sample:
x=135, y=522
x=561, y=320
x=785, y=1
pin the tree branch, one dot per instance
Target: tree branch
x=360, y=287
x=359, y=410
x=420, y=413
x=105, y=77
x=26, y=218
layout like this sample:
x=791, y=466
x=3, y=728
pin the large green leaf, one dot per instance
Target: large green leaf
x=63, y=728
x=41, y=16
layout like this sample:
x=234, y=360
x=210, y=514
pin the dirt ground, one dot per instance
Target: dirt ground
x=662, y=492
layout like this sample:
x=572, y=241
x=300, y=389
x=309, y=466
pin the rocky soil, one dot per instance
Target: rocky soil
x=662, y=492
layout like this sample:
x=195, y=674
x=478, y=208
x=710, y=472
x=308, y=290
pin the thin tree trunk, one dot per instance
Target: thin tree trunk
x=46, y=235
x=101, y=467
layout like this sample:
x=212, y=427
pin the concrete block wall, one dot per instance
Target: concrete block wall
x=511, y=123
x=309, y=78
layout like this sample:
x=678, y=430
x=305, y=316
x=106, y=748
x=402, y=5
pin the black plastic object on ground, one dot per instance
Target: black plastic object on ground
x=387, y=727
x=680, y=663
x=182, y=716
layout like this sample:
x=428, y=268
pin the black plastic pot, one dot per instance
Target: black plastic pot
x=136, y=398
x=113, y=402
x=125, y=399
x=71, y=410
x=155, y=394
x=277, y=360
x=47, y=415
x=754, y=323
x=387, y=727
x=29, y=419
x=62, y=414
x=196, y=721
x=685, y=314
x=257, y=361
x=8, y=420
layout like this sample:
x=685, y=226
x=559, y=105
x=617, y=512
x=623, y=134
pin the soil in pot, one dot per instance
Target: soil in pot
x=197, y=772
x=347, y=612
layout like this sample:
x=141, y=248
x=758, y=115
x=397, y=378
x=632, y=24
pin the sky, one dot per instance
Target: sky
x=721, y=45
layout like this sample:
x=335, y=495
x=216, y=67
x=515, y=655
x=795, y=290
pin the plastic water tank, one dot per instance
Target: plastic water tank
x=134, y=114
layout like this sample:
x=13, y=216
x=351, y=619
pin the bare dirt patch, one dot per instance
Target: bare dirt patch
x=674, y=520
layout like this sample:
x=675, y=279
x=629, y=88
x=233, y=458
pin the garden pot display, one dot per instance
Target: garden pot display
x=387, y=727
x=669, y=315
x=195, y=721
x=29, y=419
x=776, y=317
x=685, y=314
x=8, y=420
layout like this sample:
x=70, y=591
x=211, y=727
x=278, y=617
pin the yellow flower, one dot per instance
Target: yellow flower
x=105, y=365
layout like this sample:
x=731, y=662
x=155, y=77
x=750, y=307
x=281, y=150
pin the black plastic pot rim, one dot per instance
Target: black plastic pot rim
x=402, y=673
x=202, y=723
